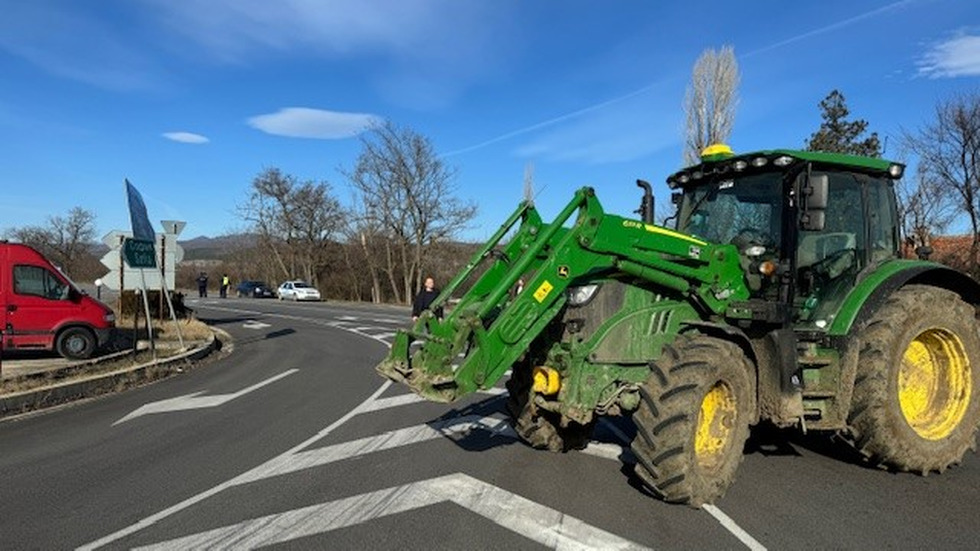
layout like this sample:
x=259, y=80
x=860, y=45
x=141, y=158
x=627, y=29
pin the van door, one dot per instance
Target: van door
x=4, y=292
x=38, y=302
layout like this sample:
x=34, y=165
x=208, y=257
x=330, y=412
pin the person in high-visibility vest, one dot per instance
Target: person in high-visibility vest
x=225, y=283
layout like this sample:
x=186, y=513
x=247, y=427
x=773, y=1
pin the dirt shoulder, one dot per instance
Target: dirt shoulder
x=37, y=380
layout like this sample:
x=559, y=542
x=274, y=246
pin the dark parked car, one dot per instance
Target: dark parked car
x=255, y=289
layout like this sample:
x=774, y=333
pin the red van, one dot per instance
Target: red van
x=42, y=309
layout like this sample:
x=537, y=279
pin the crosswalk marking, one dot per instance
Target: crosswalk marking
x=532, y=520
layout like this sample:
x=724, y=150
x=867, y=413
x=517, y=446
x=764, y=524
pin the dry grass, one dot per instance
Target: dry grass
x=190, y=329
x=165, y=335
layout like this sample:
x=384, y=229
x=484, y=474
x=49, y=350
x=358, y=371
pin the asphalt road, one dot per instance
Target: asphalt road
x=293, y=441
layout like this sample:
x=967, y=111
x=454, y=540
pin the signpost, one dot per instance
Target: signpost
x=132, y=253
x=122, y=276
x=139, y=253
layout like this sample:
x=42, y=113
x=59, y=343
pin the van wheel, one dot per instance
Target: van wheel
x=76, y=343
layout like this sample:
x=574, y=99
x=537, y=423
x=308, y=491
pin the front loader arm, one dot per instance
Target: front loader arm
x=490, y=328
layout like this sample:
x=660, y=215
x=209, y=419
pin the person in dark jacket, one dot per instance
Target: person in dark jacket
x=425, y=298
x=202, y=285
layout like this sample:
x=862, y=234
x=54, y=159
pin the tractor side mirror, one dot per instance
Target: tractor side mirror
x=814, y=194
x=816, y=191
x=676, y=198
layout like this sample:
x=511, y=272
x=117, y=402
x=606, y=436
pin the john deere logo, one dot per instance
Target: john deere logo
x=563, y=272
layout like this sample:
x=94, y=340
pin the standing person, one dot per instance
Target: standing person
x=225, y=283
x=202, y=285
x=425, y=298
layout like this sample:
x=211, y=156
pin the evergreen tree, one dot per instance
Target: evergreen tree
x=839, y=135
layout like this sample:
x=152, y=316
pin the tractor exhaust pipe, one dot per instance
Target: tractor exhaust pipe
x=646, y=204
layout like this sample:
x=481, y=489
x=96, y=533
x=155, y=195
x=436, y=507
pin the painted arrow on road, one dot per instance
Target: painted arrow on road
x=196, y=401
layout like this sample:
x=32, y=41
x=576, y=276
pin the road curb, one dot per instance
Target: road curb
x=103, y=383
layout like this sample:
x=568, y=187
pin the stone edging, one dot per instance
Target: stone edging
x=103, y=383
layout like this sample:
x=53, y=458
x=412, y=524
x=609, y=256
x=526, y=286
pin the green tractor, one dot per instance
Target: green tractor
x=780, y=296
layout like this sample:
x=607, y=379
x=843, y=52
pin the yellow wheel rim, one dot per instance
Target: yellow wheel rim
x=716, y=423
x=934, y=383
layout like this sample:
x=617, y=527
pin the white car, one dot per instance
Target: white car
x=298, y=290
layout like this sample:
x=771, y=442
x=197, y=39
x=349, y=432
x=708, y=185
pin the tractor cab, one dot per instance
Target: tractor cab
x=807, y=224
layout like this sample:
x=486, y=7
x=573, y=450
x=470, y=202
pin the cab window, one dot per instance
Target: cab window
x=882, y=219
x=40, y=282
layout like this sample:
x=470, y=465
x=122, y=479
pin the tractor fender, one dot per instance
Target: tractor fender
x=873, y=290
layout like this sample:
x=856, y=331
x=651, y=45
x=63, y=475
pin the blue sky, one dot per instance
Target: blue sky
x=190, y=99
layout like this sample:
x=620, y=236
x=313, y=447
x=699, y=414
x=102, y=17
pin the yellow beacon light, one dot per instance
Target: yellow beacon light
x=716, y=152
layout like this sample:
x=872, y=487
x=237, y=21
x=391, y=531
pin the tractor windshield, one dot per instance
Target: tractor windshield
x=745, y=210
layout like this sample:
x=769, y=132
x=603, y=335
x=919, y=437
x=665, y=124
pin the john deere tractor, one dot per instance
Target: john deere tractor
x=780, y=295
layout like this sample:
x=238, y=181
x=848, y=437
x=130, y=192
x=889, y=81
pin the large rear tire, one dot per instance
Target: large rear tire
x=539, y=428
x=916, y=403
x=693, y=420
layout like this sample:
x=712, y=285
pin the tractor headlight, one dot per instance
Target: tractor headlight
x=578, y=296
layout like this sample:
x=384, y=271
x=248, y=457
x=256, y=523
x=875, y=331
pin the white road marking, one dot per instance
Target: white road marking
x=194, y=401
x=534, y=521
x=255, y=324
x=412, y=398
x=735, y=529
x=191, y=501
x=386, y=441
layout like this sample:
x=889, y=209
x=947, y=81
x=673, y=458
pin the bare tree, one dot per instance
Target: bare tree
x=924, y=209
x=948, y=149
x=295, y=220
x=710, y=101
x=406, y=194
x=66, y=240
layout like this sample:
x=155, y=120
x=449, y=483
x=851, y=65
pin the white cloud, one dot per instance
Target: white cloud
x=957, y=57
x=303, y=122
x=186, y=137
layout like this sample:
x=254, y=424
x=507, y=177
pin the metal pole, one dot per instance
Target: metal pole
x=173, y=315
x=122, y=273
x=163, y=272
x=149, y=324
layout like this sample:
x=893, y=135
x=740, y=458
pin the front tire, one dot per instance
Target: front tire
x=693, y=420
x=539, y=428
x=76, y=343
x=916, y=403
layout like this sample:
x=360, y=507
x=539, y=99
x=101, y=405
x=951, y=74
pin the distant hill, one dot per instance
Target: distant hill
x=200, y=247
x=215, y=248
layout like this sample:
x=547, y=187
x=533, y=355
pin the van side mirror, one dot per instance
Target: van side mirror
x=814, y=195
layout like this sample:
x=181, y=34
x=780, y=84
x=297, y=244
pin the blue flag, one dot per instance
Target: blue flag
x=142, y=229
